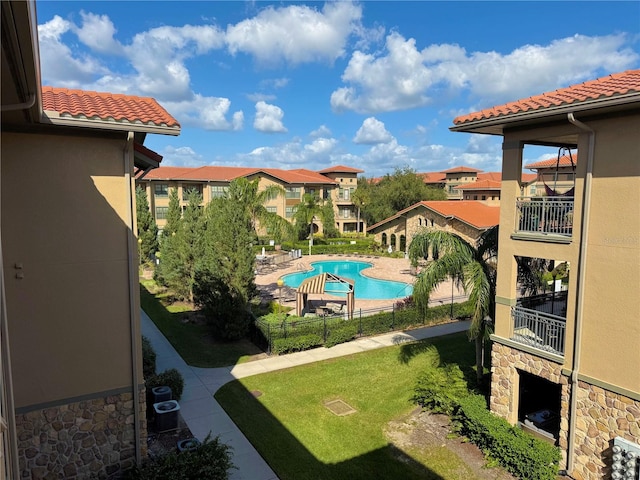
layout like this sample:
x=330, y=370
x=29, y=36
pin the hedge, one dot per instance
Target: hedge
x=286, y=334
x=519, y=453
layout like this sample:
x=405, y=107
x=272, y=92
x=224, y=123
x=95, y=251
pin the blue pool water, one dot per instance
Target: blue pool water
x=365, y=287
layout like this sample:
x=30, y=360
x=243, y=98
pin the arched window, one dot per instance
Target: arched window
x=393, y=241
x=403, y=243
x=384, y=239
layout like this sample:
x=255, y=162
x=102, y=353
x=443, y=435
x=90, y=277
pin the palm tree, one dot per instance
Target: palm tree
x=469, y=266
x=246, y=194
x=306, y=210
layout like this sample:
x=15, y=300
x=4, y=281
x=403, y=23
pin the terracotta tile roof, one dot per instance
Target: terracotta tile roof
x=461, y=169
x=147, y=152
x=605, y=87
x=495, y=176
x=551, y=162
x=481, y=185
x=227, y=174
x=529, y=177
x=433, y=177
x=341, y=169
x=471, y=212
x=110, y=107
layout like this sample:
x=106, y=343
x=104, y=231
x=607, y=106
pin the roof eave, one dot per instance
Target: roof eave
x=53, y=118
x=497, y=125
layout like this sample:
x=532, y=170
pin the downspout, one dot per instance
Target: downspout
x=577, y=335
x=132, y=304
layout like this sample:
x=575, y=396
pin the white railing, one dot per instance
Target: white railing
x=545, y=215
x=538, y=329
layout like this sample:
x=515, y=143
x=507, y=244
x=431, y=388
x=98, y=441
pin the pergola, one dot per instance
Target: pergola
x=324, y=283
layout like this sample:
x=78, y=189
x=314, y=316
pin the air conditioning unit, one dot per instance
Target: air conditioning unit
x=626, y=460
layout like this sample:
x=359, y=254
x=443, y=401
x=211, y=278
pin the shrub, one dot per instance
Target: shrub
x=148, y=359
x=440, y=389
x=211, y=460
x=295, y=344
x=171, y=378
x=521, y=454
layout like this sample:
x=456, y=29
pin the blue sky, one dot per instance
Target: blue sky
x=374, y=85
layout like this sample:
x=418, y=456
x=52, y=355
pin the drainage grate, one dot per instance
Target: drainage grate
x=339, y=408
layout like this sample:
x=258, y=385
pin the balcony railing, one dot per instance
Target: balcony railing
x=548, y=215
x=537, y=329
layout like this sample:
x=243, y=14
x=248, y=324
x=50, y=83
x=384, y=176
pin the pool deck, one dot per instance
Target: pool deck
x=383, y=268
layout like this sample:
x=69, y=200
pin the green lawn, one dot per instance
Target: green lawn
x=193, y=342
x=283, y=414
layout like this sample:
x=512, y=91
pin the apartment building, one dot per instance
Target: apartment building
x=566, y=365
x=71, y=388
x=337, y=183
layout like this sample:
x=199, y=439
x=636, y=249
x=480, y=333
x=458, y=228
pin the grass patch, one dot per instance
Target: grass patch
x=300, y=439
x=193, y=342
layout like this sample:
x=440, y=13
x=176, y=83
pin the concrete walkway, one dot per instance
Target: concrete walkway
x=203, y=414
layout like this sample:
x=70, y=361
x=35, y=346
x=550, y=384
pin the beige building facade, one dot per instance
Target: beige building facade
x=566, y=366
x=337, y=183
x=72, y=403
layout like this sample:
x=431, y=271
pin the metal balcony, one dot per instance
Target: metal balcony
x=546, y=215
x=538, y=329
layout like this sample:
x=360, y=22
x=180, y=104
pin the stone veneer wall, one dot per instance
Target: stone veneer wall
x=601, y=415
x=505, y=363
x=87, y=439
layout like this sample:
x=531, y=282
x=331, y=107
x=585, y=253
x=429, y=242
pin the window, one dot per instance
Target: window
x=384, y=239
x=484, y=197
x=161, y=190
x=187, y=189
x=475, y=197
x=218, y=191
x=292, y=192
x=161, y=213
x=272, y=209
x=345, y=212
x=290, y=211
x=351, y=180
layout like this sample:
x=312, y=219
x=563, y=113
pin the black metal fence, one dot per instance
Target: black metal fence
x=279, y=333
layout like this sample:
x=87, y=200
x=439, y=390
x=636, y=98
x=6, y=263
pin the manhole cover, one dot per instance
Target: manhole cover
x=340, y=408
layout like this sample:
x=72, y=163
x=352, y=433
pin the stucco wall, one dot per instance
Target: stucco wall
x=64, y=213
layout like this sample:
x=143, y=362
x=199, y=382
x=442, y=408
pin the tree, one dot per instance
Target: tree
x=393, y=193
x=174, y=214
x=472, y=267
x=329, y=219
x=147, y=228
x=306, y=210
x=180, y=250
x=246, y=193
x=225, y=278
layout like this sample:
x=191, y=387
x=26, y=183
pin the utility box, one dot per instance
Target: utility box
x=161, y=394
x=166, y=415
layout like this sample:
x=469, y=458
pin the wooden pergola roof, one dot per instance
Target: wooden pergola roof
x=318, y=285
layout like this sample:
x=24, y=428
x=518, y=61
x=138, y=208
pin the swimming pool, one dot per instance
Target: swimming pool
x=365, y=288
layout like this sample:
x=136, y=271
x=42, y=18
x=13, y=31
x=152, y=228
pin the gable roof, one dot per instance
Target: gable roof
x=495, y=176
x=461, y=169
x=341, y=169
x=618, y=90
x=433, y=177
x=227, y=174
x=471, y=212
x=107, y=110
x=551, y=162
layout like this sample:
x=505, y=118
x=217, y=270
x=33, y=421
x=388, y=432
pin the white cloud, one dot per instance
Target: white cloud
x=372, y=132
x=59, y=65
x=274, y=83
x=260, y=97
x=403, y=77
x=209, y=113
x=321, y=131
x=181, y=157
x=269, y=118
x=321, y=146
x=295, y=33
x=97, y=32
